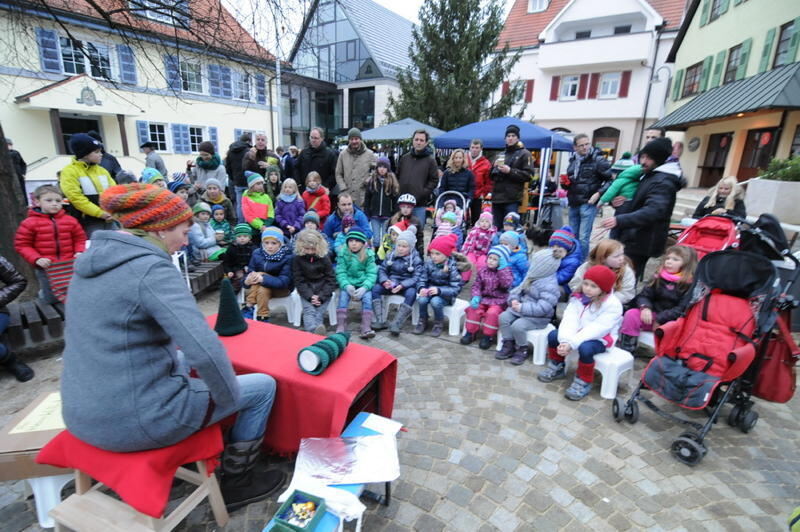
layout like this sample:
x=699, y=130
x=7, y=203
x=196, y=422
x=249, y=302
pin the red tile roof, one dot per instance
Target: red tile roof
x=522, y=29
x=211, y=25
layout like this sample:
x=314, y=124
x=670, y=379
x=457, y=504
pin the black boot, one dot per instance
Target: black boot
x=628, y=343
x=467, y=339
x=20, y=370
x=240, y=486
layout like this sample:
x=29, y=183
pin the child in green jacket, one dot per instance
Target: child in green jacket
x=356, y=273
x=626, y=184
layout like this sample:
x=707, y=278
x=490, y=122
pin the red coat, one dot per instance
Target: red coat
x=56, y=237
x=481, y=169
x=322, y=204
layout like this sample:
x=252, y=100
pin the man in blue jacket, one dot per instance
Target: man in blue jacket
x=345, y=206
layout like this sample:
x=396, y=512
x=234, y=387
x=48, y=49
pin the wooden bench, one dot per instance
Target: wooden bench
x=34, y=324
x=205, y=276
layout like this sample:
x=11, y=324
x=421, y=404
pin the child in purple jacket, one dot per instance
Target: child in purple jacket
x=290, y=209
x=489, y=298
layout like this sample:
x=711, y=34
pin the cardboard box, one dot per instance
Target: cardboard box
x=27, y=432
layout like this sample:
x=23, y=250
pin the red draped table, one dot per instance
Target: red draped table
x=308, y=406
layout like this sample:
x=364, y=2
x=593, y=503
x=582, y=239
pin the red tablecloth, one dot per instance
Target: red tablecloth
x=308, y=406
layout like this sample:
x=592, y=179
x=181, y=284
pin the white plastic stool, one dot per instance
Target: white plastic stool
x=454, y=313
x=291, y=304
x=537, y=339
x=647, y=338
x=47, y=495
x=395, y=299
x=332, y=305
x=611, y=365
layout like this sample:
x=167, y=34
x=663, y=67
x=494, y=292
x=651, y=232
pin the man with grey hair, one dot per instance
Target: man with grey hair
x=480, y=168
x=317, y=157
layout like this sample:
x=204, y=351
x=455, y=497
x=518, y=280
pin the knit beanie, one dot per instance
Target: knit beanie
x=207, y=147
x=311, y=216
x=151, y=175
x=502, y=253
x=658, y=149
x=445, y=244
x=355, y=234
x=511, y=218
x=273, y=232
x=512, y=128
x=450, y=217
x=486, y=215
x=563, y=237
x=510, y=238
x=543, y=264
x=252, y=178
x=603, y=276
x=213, y=181
x=175, y=186
x=215, y=208
x=82, y=145
x=409, y=236
x=146, y=207
x=348, y=221
x=242, y=229
x=229, y=317
x=272, y=169
x=383, y=161
x=201, y=206
x=354, y=132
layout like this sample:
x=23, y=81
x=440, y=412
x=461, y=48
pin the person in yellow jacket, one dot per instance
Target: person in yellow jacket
x=83, y=180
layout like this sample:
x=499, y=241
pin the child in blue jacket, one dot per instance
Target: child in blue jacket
x=566, y=248
x=270, y=273
x=517, y=257
x=440, y=284
x=401, y=273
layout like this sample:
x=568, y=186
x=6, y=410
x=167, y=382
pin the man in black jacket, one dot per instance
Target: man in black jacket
x=20, y=166
x=509, y=177
x=643, y=228
x=588, y=176
x=418, y=174
x=234, y=166
x=317, y=157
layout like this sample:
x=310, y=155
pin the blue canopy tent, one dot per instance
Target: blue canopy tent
x=493, y=134
x=400, y=130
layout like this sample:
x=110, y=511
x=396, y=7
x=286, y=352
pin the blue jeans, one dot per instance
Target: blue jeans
x=422, y=215
x=239, y=194
x=366, y=300
x=581, y=219
x=4, y=319
x=586, y=351
x=499, y=211
x=438, y=303
x=378, y=226
x=409, y=294
x=256, y=395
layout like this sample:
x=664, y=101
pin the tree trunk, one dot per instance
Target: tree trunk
x=12, y=212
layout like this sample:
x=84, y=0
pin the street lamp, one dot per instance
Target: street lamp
x=657, y=78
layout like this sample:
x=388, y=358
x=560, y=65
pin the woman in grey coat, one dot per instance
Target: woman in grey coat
x=531, y=306
x=125, y=385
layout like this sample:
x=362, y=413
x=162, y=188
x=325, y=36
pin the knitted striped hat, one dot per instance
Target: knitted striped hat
x=273, y=232
x=146, y=207
x=355, y=234
x=175, y=186
x=242, y=229
x=201, y=206
x=563, y=237
x=311, y=216
x=252, y=178
x=502, y=253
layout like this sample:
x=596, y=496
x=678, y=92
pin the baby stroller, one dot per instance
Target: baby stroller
x=710, y=233
x=712, y=355
x=462, y=204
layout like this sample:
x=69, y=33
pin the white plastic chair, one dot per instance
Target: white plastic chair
x=647, y=338
x=47, y=495
x=454, y=314
x=537, y=339
x=182, y=268
x=291, y=304
x=332, y=304
x=398, y=300
x=611, y=365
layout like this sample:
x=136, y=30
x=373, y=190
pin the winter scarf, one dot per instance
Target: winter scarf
x=275, y=257
x=210, y=164
x=288, y=198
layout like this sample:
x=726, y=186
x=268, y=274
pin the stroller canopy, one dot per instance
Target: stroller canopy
x=737, y=273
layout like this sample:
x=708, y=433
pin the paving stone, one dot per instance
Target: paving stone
x=424, y=499
x=504, y=520
x=460, y=495
x=428, y=523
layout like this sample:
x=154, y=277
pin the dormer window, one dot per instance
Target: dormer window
x=537, y=6
x=159, y=11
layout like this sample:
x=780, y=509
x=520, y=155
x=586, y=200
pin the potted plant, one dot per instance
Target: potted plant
x=776, y=191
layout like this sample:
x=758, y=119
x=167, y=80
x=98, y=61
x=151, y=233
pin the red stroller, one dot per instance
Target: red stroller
x=714, y=354
x=710, y=233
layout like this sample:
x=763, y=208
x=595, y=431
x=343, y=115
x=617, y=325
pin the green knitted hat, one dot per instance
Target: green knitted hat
x=229, y=318
x=242, y=229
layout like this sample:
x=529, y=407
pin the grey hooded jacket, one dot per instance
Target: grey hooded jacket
x=123, y=388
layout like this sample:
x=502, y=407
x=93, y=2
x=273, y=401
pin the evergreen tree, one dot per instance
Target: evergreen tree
x=456, y=66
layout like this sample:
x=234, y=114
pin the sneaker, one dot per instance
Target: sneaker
x=553, y=371
x=578, y=389
x=486, y=342
x=467, y=339
x=265, y=319
x=247, y=313
x=437, y=329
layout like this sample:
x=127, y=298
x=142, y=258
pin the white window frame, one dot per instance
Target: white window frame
x=568, y=81
x=166, y=130
x=537, y=6
x=239, y=79
x=193, y=146
x=79, y=56
x=611, y=80
x=155, y=14
x=185, y=82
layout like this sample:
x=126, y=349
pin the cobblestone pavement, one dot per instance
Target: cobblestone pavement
x=489, y=447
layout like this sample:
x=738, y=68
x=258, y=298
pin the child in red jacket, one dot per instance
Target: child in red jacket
x=316, y=197
x=49, y=235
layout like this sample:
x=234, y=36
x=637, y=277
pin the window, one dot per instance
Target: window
x=782, y=53
x=535, y=6
x=241, y=86
x=195, y=137
x=795, y=151
x=78, y=57
x=172, y=13
x=619, y=30
x=569, y=87
x=72, y=57
x=734, y=57
x=583, y=34
x=191, y=77
x=158, y=134
x=718, y=7
x=609, y=85
x=691, y=84
x=99, y=60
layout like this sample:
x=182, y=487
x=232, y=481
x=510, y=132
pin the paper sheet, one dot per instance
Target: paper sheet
x=46, y=416
x=381, y=424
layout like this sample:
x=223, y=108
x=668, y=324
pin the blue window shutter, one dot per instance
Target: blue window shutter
x=261, y=89
x=180, y=138
x=172, y=70
x=49, y=56
x=214, y=82
x=212, y=133
x=237, y=133
x=142, y=131
x=182, y=6
x=225, y=74
x=127, y=65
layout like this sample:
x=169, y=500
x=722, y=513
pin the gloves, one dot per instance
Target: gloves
x=475, y=301
x=359, y=293
x=351, y=290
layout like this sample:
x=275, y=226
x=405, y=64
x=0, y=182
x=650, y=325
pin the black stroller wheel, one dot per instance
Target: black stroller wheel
x=734, y=416
x=617, y=409
x=688, y=451
x=691, y=436
x=748, y=421
x=632, y=412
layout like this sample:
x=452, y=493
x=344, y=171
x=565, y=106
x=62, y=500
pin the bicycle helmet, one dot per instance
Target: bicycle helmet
x=407, y=198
